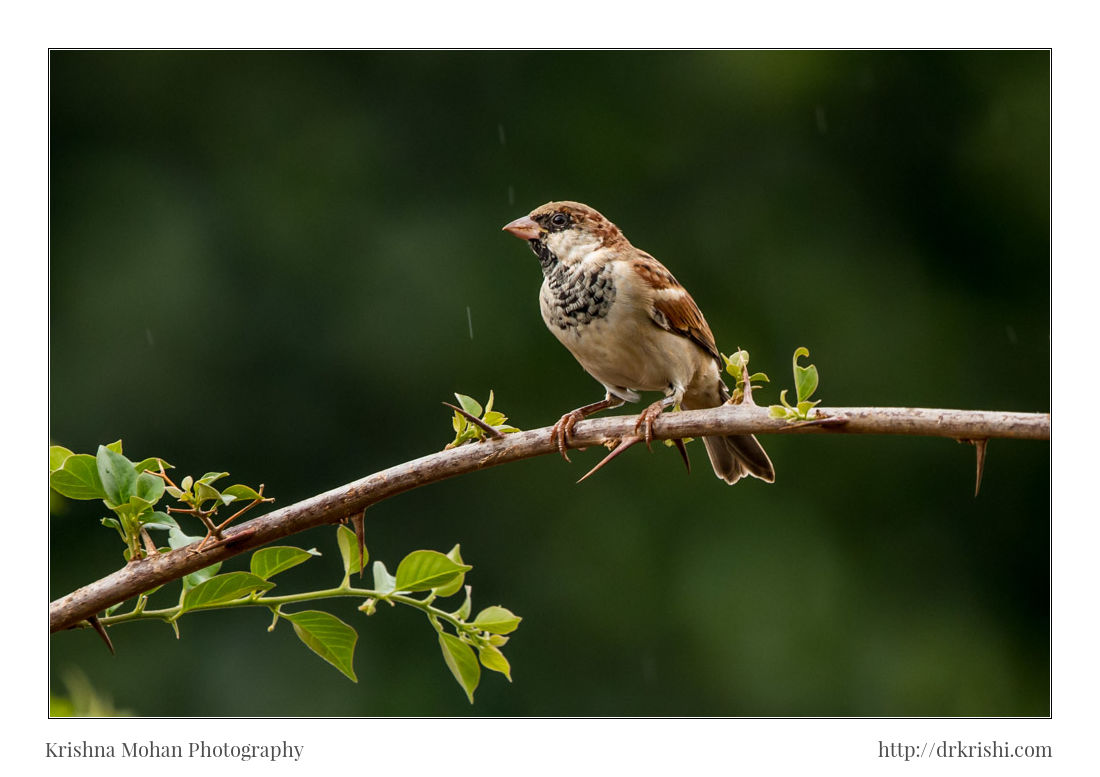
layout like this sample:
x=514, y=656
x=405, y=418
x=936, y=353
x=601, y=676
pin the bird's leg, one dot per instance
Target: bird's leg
x=564, y=427
x=651, y=413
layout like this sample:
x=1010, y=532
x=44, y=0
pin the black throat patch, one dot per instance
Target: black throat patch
x=578, y=295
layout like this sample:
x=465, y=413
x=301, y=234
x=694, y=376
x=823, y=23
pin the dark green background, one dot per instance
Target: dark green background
x=263, y=263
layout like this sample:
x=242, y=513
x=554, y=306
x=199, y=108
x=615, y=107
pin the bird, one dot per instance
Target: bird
x=632, y=326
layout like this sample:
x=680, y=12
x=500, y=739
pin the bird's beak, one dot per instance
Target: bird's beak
x=524, y=228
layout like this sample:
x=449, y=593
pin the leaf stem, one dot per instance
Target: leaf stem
x=170, y=614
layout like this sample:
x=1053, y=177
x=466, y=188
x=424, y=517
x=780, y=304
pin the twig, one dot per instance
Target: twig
x=496, y=435
x=146, y=574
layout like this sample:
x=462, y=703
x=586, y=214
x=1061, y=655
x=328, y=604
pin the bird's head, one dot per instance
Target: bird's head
x=568, y=231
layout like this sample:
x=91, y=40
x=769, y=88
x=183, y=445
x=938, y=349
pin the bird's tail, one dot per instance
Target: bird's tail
x=735, y=456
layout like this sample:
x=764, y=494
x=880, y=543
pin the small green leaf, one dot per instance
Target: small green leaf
x=777, y=411
x=210, y=477
x=489, y=404
x=805, y=378
x=463, y=612
x=455, y=585
x=78, y=478
x=805, y=407
x=223, y=588
x=349, y=551
x=806, y=382
x=204, y=493
x=384, y=582
x=160, y=520
x=58, y=454
x=462, y=662
x=423, y=570
x=783, y=398
x=758, y=376
x=114, y=524
x=327, y=636
x=497, y=620
x=495, y=418
x=459, y=422
x=469, y=404
x=117, y=474
x=187, y=482
x=492, y=658
x=242, y=492
x=149, y=487
x=268, y=562
x=115, y=446
x=152, y=464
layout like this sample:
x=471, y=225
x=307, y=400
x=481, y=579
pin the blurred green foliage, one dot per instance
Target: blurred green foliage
x=281, y=263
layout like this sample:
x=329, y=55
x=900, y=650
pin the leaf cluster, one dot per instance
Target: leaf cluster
x=467, y=430
x=737, y=365
x=132, y=492
x=421, y=578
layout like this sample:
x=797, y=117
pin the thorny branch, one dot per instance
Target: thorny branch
x=349, y=500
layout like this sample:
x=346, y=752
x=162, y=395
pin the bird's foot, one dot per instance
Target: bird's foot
x=644, y=425
x=562, y=430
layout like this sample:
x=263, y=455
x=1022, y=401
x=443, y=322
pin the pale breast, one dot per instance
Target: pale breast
x=610, y=332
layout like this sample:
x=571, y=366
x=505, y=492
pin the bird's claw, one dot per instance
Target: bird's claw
x=561, y=431
x=644, y=424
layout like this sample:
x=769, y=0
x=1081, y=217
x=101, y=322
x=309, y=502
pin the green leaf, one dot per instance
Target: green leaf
x=210, y=477
x=758, y=376
x=187, y=482
x=805, y=407
x=349, y=551
x=327, y=636
x=469, y=404
x=783, y=398
x=160, y=520
x=117, y=474
x=806, y=383
x=463, y=612
x=58, y=454
x=115, y=446
x=242, y=492
x=805, y=378
x=492, y=658
x=78, y=478
x=497, y=620
x=459, y=423
x=206, y=493
x=152, y=464
x=384, y=582
x=462, y=662
x=223, y=588
x=777, y=411
x=114, y=524
x=423, y=570
x=149, y=487
x=268, y=562
x=453, y=587
x=489, y=404
x=495, y=418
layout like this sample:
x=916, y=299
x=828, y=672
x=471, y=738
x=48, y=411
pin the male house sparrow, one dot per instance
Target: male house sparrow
x=632, y=327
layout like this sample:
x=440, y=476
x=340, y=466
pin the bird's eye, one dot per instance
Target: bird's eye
x=559, y=219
